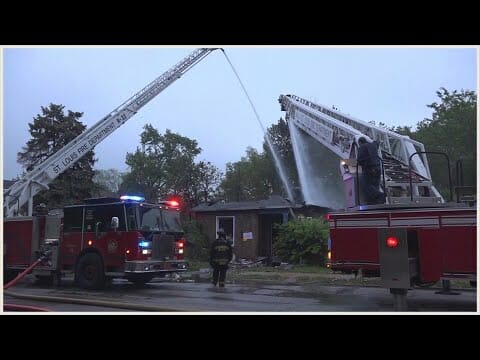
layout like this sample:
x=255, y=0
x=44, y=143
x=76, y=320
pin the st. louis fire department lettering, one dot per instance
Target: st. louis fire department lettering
x=96, y=138
x=68, y=159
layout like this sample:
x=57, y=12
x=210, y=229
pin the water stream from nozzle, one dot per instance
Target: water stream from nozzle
x=278, y=163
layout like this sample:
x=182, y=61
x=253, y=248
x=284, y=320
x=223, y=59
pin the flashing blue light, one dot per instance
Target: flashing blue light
x=132, y=198
x=144, y=244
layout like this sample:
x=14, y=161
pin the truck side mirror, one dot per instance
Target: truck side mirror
x=115, y=223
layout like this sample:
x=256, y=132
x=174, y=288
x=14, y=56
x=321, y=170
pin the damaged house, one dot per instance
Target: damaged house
x=249, y=225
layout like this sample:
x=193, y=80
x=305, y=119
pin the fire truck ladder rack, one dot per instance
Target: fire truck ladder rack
x=38, y=179
x=340, y=132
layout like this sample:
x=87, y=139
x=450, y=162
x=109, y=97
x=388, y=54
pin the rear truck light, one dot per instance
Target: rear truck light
x=392, y=242
x=146, y=251
x=329, y=255
x=179, y=249
x=180, y=244
x=90, y=242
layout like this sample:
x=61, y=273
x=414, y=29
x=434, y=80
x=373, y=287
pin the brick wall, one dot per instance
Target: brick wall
x=244, y=222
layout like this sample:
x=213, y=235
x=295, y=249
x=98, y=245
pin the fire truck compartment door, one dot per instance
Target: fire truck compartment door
x=395, y=265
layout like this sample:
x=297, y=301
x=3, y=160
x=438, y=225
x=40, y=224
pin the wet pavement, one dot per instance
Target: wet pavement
x=200, y=297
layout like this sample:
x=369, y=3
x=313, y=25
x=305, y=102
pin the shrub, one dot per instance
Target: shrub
x=198, y=244
x=302, y=241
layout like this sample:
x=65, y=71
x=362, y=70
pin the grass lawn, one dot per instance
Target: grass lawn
x=301, y=274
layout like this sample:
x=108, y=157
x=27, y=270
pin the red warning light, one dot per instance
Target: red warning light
x=392, y=242
x=173, y=203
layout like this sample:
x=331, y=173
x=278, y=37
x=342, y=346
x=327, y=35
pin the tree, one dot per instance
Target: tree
x=452, y=130
x=256, y=176
x=50, y=132
x=163, y=166
x=248, y=179
x=208, y=178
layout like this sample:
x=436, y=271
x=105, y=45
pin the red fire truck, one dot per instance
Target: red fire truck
x=105, y=237
x=101, y=239
x=415, y=237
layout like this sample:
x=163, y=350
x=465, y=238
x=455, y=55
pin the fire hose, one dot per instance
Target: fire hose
x=20, y=276
x=103, y=303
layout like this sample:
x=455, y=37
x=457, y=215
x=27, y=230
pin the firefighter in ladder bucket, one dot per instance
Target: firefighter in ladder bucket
x=371, y=171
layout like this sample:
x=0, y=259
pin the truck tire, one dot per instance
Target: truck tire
x=90, y=273
x=140, y=279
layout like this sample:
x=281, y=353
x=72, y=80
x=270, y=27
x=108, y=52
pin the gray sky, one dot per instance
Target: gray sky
x=389, y=85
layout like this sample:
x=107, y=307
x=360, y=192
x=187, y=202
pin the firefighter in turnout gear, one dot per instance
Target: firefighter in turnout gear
x=220, y=255
x=371, y=167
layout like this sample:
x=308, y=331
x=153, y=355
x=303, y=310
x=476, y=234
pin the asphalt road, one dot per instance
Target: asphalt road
x=170, y=296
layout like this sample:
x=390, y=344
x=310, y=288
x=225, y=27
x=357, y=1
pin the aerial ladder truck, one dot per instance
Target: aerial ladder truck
x=38, y=179
x=416, y=237
x=104, y=237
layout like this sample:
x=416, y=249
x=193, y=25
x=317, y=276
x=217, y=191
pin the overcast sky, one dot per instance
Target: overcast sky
x=390, y=85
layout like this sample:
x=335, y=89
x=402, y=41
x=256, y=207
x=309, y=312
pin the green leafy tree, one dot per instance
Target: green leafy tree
x=452, y=130
x=302, y=240
x=50, y=132
x=248, y=179
x=162, y=166
x=207, y=180
x=256, y=176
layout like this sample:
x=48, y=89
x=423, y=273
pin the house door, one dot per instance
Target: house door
x=267, y=233
x=227, y=223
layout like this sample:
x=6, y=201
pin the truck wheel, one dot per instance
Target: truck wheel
x=90, y=273
x=140, y=279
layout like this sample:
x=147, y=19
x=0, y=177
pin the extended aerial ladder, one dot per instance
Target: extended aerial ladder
x=404, y=160
x=38, y=179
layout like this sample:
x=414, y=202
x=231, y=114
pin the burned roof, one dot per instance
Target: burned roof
x=274, y=202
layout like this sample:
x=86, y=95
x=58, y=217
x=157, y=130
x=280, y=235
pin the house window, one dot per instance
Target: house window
x=227, y=223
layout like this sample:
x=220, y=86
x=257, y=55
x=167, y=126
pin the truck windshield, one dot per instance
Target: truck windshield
x=156, y=219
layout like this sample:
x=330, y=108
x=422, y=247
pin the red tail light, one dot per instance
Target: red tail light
x=392, y=242
x=180, y=249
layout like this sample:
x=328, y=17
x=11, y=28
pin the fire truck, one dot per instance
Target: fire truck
x=105, y=237
x=416, y=237
x=99, y=240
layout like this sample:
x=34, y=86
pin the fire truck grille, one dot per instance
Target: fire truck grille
x=163, y=246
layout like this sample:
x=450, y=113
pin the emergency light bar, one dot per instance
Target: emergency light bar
x=132, y=198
